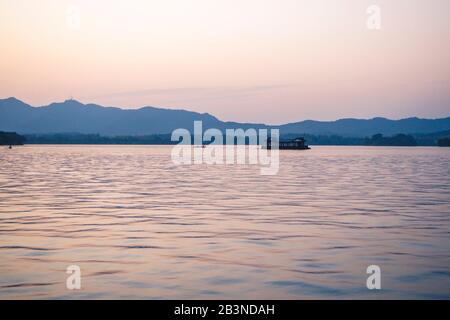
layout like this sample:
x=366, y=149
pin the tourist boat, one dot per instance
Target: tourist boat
x=294, y=144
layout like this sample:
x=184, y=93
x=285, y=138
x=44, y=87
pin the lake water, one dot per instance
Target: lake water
x=140, y=227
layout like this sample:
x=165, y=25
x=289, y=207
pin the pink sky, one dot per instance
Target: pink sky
x=267, y=61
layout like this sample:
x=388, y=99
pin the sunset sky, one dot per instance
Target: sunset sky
x=270, y=61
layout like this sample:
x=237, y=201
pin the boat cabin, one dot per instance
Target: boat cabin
x=294, y=144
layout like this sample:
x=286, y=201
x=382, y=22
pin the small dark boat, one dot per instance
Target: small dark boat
x=295, y=144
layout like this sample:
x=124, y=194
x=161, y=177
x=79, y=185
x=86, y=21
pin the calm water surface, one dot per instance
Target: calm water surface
x=140, y=227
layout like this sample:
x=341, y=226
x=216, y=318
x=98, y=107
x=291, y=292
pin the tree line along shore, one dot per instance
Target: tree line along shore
x=437, y=139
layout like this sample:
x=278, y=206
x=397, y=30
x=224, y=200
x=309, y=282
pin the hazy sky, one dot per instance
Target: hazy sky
x=269, y=61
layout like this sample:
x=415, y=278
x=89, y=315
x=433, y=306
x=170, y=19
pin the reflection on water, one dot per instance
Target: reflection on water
x=140, y=227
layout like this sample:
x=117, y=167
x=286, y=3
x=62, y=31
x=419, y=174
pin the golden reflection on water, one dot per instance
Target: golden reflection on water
x=141, y=227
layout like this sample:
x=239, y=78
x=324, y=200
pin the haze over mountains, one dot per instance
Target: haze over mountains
x=72, y=116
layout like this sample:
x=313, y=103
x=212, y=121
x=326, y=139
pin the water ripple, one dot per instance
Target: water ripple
x=140, y=227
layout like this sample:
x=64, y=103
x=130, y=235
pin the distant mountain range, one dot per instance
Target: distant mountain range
x=72, y=116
